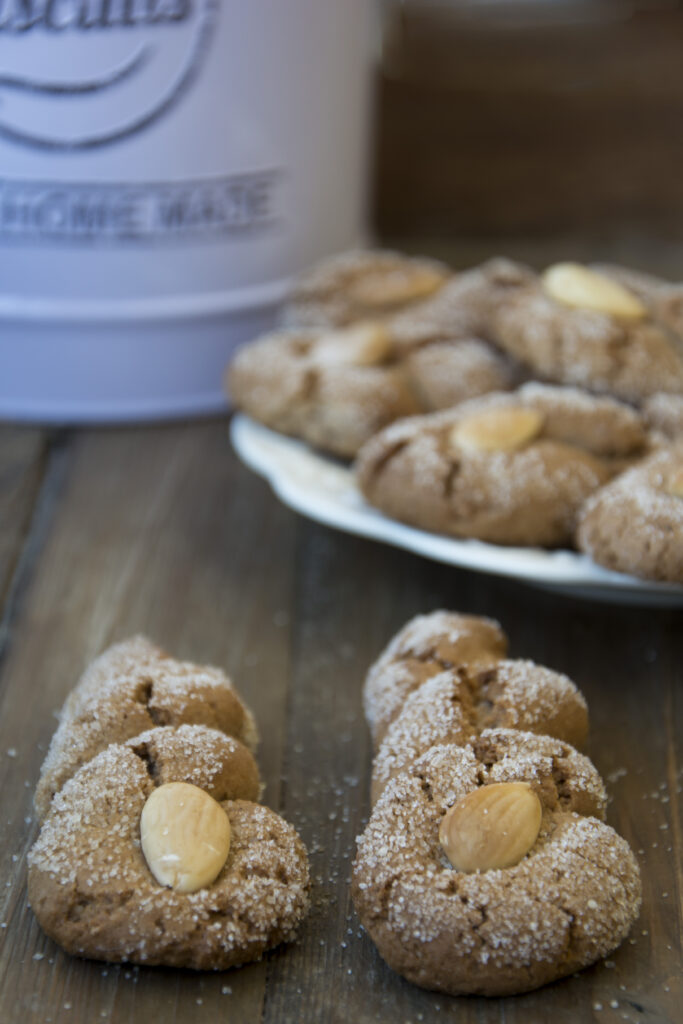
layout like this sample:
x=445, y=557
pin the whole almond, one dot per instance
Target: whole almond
x=492, y=827
x=577, y=286
x=391, y=287
x=502, y=429
x=363, y=344
x=185, y=836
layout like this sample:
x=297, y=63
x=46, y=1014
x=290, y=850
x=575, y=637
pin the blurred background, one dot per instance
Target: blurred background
x=504, y=123
x=152, y=219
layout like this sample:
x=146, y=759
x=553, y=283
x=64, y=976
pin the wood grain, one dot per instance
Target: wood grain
x=160, y=530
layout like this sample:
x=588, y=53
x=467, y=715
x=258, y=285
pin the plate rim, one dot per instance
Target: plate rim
x=258, y=447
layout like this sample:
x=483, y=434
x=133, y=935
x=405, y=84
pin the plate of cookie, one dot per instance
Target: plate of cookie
x=323, y=489
x=501, y=420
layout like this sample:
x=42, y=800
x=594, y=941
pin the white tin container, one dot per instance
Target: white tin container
x=166, y=166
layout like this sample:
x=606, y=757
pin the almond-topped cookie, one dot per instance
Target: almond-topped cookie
x=129, y=688
x=154, y=852
x=505, y=468
x=362, y=284
x=635, y=523
x=576, y=325
x=485, y=868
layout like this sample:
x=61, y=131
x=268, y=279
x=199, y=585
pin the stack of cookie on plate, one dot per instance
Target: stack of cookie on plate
x=494, y=404
x=153, y=847
x=486, y=866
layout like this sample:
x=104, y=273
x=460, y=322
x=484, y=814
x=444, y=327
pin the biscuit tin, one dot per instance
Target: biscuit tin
x=166, y=166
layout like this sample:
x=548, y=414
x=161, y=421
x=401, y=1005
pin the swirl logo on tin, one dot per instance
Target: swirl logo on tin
x=81, y=74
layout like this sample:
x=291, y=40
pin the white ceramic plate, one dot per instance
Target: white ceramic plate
x=322, y=489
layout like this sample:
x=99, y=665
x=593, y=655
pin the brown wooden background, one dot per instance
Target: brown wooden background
x=545, y=116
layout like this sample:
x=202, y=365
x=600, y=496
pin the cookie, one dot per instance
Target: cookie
x=131, y=687
x=334, y=389
x=543, y=886
x=505, y=468
x=444, y=373
x=360, y=285
x=635, y=524
x=94, y=892
x=457, y=705
x=576, y=326
x=664, y=414
x=425, y=647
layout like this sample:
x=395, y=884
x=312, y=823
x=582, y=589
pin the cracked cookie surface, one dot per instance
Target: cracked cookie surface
x=424, y=647
x=526, y=491
x=590, y=348
x=92, y=891
x=129, y=688
x=457, y=705
x=463, y=306
x=287, y=381
x=569, y=901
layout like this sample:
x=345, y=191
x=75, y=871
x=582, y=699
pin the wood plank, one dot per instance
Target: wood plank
x=156, y=531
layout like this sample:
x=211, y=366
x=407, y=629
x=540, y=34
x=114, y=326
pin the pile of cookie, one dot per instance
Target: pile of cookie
x=486, y=866
x=496, y=403
x=153, y=847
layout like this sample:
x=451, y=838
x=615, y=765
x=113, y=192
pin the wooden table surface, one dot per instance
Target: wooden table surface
x=159, y=530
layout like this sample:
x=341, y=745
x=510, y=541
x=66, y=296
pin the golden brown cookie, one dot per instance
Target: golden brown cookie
x=458, y=704
x=505, y=468
x=635, y=524
x=555, y=889
x=425, y=647
x=360, y=285
x=574, y=325
x=334, y=389
x=94, y=892
x=444, y=373
x=131, y=687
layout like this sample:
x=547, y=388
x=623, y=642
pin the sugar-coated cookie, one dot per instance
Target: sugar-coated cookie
x=360, y=285
x=94, y=870
x=129, y=688
x=458, y=704
x=541, y=886
x=423, y=648
x=444, y=373
x=505, y=468
x=334, y=389
x=578, y=326
x=635, y=524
